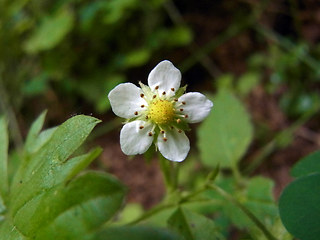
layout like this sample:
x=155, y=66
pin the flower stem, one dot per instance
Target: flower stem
x=167, y=173
x=170, y=171
x=174, y=174
x=237, y=175
x=166, y=205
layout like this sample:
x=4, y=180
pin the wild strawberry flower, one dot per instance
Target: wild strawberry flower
x=158, y=113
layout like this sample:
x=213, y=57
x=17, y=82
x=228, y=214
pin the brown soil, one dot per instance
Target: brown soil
x=144, y=180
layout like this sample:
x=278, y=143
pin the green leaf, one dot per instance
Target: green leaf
x=73, y=210
x=307, y=165
x=73, y=166
x=116, y=9
x=34, y=131
x=179, y=36
x=2, y=208
x=51, y=31
x=193, y=226
x=256, y=195
x=137, y=57
x=299, y=207
x=226, y=134
x=37, y=85
x=42, y=138
x=129, y=213
x=135, y=233
x=277, y=229
x=247, y=82
x=225, y=82
x=9, y=232
x=4, y=142
x=260, y=199
x=47, y=200
x=42, y=170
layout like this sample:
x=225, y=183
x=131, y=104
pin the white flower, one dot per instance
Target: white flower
x=158, y=113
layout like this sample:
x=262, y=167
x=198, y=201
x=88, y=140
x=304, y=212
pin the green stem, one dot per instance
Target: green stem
x=167, y=173
x=170, y=171
x=183, y=200
x=192, y=195
x=152, y=212
x=175, y=174
x=253, y=218
x=166, y=205
x=170, y=175
x=237, y=174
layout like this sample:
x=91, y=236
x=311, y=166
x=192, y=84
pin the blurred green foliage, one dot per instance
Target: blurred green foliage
x=292, y=67
x=80, y=48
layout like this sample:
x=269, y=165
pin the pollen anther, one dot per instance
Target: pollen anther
x=135, y=113
x=150, y=134
x=141, y=127
x=157, y=87
x=142, y=106
x=142, y=95
x=172, y=89
x=165, y=139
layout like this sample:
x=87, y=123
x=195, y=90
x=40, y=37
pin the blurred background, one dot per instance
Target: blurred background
x=66, y=55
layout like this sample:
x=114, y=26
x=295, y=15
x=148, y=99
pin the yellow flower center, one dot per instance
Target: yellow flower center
x=161, y=111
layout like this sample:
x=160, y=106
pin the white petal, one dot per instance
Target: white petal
x=134, y=140
x=196, y=106
x=176, y=147
x=165, y=76
x=125, y=100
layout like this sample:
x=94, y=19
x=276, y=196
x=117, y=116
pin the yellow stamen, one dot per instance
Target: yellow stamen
x=161, y=111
